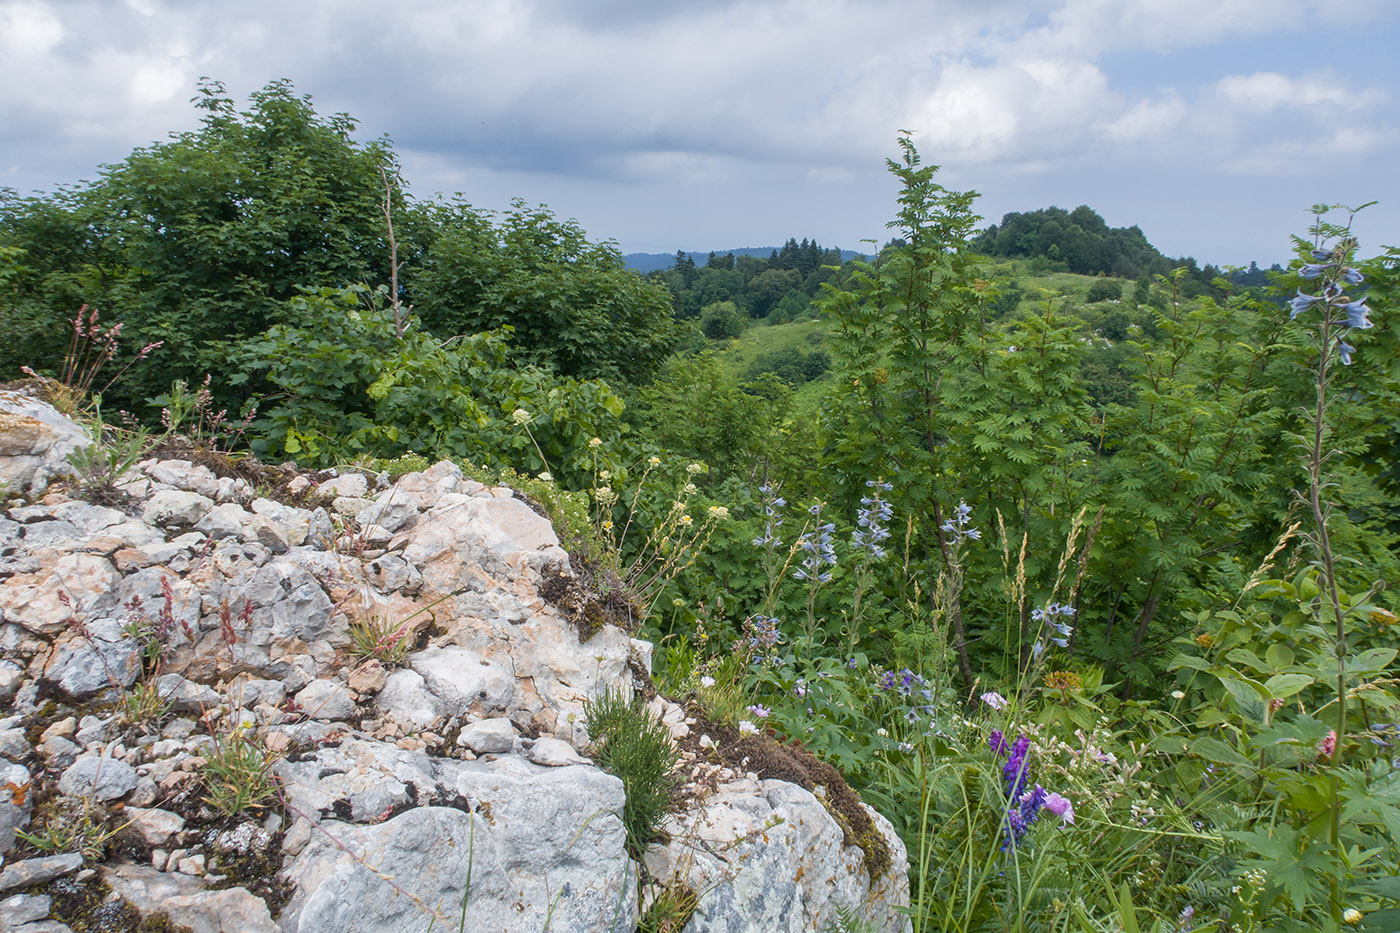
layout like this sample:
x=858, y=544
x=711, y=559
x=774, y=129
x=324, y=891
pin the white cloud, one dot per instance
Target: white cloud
x=1149, y=118
x=29, y=29
x=1265, y=91
x=1031, y=109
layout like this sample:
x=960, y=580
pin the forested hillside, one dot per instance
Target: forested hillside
x=1075, y=559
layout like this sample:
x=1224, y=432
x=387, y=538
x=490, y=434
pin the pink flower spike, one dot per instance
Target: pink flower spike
x=1061, y=807
x=995, y=700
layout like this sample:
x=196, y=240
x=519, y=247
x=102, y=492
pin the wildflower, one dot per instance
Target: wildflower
x=1328, y=746
x=762, y=631
x=1351, y=917
x=685, y=520
x=997, y=742
x=718, y=512
x=607, y=524
x=1061, y=807
x=1356, y=312
x=882, y=731
x=707, y=681
x=956, y=525
x=678, y=602
x=1183, y=919
x=995, y=700
x=1178, y=695
x=888, y=681
x=596, y=442
x=820, y=550
x=605, y=475
x=1014, y=771
x=694, y=468
x=870, y=530
x=520, y=416
x=1313, y=269
x=747, y=728
x=760, y=711
x=688, y=489
x=1345, y=350
x=545, y=476
x=653, y=461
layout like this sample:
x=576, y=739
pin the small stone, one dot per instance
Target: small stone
x=554, y=753
x=22, y=908
x=39, y=870
x=186, y=695
x=58, y=752
x=155, y=827
x=353, y=485
x=193, y=865
x=326, y=700
x=224, y=521
x=159, y=859
x=259, y=529
x=368, y=678
x=488, y=736
x=13, y=744
x=392, y=512
x=100, y=778
x=175, y=507
x=298, y=486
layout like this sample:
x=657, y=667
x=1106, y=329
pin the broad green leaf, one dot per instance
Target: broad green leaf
x=1282, y=686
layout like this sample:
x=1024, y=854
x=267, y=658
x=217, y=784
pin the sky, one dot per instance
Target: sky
x=1211, y=124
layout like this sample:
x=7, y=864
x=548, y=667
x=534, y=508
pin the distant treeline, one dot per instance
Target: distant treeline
x=779, y=287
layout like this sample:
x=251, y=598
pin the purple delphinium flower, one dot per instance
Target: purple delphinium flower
x=1014, y=771
x=1313, y=269
x=997, y=742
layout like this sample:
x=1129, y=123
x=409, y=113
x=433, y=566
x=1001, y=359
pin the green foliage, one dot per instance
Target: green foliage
x=347, y=387
x=1084, y=244
x=72, y=825
x=238, y=773
x=199, y=240
x=574, y=306
x=670, y=910
x=1104, y=290
x=635, y=747
x=380, y=639
x=101, y=465
x=721, y=320
x=698, y=411
x=790, y=364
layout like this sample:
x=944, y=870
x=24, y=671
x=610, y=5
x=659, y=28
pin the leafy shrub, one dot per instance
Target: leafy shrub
x=790, y=364
x=1105, y=290
x=636, y=747
x=722, y=320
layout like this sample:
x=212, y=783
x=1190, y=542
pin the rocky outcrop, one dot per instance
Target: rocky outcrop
x=381, y=654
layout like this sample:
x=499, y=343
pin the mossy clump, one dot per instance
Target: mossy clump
x=589, y=607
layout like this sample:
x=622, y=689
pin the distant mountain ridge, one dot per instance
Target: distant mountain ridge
x=650, y=262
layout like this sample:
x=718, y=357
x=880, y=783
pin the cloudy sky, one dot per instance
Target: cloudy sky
x=1212, y=124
